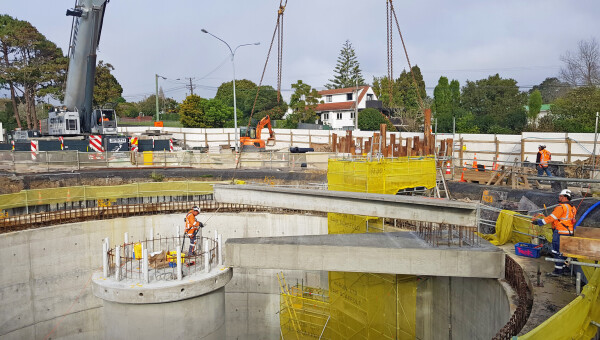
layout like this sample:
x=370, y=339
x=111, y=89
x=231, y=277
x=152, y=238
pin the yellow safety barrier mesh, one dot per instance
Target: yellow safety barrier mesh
x=508, y=222
x=574, y=320
x=84, y=193
x=385, y=176
x=361, y=305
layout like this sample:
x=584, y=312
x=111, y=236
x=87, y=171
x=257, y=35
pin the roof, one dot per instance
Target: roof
x=348, y=105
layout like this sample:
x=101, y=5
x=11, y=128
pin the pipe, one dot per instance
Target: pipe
x=585, y=214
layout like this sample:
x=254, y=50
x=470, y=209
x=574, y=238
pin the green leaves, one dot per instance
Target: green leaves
x=347, y=71
x=106, y=87
x=371, y=119
x=204, y=113
x=576, y=111
x=303, y=103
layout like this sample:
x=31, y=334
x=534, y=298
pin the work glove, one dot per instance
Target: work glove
x=540, y=222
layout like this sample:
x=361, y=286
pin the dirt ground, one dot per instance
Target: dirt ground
x=553, y=293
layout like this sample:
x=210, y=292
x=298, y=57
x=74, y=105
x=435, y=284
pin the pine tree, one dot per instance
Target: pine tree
x=347, y=71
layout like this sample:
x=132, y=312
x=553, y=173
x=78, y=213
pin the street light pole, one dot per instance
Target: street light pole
x=233, y=67
x=156, y=80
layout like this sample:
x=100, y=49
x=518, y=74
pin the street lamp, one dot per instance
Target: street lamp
x=233, y=65
x=156, y=76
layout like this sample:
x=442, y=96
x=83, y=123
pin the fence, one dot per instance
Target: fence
x=20, y=161
x=565, y=147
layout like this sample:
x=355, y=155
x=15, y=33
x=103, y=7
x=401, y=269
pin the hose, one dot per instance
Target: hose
x=585, y=214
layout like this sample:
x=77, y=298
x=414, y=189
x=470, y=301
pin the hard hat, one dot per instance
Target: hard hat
x=195, y=208
x=566, y=192
x=542, y=146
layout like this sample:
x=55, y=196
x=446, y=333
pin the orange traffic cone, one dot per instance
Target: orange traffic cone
x=475, y=162
x=495, y=167
x=448, y=172
x=462, y=176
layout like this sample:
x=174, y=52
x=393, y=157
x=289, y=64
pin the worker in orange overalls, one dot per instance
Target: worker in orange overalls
x=192, y=227
x=563, y=220
x=542, y=159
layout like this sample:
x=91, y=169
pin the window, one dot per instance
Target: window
x=348, y=96
x=71, y=124
x=352, y=115
x=339, y=115
x=325, y=116
x=328, y=98
x=370, y=96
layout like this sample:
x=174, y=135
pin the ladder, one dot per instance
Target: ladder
x=441, y=188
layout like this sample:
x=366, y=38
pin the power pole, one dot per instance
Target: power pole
x=191, y=86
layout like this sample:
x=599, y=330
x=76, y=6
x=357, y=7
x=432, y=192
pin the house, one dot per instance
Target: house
x=338, y=107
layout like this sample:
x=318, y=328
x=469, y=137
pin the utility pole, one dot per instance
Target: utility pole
x=191, y=86
x=356, y=107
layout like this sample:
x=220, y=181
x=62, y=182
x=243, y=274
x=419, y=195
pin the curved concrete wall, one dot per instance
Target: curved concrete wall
x=44, y=270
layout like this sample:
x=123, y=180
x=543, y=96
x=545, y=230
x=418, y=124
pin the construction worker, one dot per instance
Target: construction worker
x=563, y=220
x=192, y=227
x=541, y=161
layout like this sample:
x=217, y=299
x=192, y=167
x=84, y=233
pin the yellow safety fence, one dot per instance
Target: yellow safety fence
x=105, y=193
x=385, y=176
x=362, y=305
x=508, y=222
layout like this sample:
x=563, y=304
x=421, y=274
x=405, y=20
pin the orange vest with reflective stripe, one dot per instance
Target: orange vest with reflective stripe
x=562, y=218
x=191, y=225
x=545, y=158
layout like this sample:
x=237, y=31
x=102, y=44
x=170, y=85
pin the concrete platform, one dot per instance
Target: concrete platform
x=387, y=253
x=343, y=202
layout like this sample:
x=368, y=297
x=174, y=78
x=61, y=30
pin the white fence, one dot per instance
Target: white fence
x=565, y=147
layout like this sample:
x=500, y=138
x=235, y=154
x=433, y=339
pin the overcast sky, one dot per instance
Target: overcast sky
x=460, y=39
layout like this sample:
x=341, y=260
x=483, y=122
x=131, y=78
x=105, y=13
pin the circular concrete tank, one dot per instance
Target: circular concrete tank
x=191, y=308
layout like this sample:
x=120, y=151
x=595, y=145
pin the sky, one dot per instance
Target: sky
x=460, y=39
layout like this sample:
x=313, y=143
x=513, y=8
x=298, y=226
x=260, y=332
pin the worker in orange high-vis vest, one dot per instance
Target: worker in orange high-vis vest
x=563, y=220
x=542, y=159
x=192, y=228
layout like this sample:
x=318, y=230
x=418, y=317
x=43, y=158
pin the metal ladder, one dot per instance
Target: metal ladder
x=441, y=189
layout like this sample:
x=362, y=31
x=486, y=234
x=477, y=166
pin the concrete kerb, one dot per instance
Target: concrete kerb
x=138, y=292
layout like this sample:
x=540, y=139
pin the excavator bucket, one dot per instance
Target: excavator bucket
x=271, y=141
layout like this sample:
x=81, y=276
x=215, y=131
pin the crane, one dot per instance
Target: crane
x=77, y=115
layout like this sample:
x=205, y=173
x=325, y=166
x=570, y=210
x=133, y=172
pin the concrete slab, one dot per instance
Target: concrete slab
x=387, y=253
x=379, y=205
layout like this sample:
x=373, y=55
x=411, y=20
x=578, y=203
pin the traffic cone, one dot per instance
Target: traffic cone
x=475, y=162
x=495, y=167
x=462, y=176
x=448, y=172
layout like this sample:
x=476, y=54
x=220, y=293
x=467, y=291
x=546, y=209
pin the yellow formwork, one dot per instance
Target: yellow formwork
x=83, y=193
x=362, y=305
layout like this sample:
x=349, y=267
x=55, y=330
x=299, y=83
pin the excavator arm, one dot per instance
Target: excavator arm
x=266, y=121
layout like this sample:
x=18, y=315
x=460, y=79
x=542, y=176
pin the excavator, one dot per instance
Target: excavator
x=250, y=137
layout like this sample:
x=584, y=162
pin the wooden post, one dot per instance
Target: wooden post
x=392, y=144
x=461, y=152
x=309, y=139
x=409, y=147
x=333, y=142
x=359, y=141
x=291, y=137
x=568, y=149
x=349, y=141
x=417, y=144
x=229, y=138
x=497, y=149
x=205, y=138
x=383, y=140
x=522, y=150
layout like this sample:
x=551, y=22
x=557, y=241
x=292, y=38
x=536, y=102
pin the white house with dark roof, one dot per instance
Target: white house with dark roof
x=338, y=107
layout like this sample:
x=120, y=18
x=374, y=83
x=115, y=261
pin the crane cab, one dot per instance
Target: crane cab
x=104, y=122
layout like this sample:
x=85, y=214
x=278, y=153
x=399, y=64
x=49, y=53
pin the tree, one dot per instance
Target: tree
x=583, y=66
x=347, y=72
x=551, y=88
x=204, y=113
x=33, y=66
x=534, y=104
x=106, y=87
x=8, y=42
x=303, y=103
x=371, y=119
x=245, y=94
x=495, y=103
x=576, y=111
x=454, y=96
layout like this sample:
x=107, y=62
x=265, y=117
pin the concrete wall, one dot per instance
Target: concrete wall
x=461, y=308
x=44, y=270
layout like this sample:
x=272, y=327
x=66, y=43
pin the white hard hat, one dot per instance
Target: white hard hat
x=566, y=192
x=541, y=146
x=195, y=208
